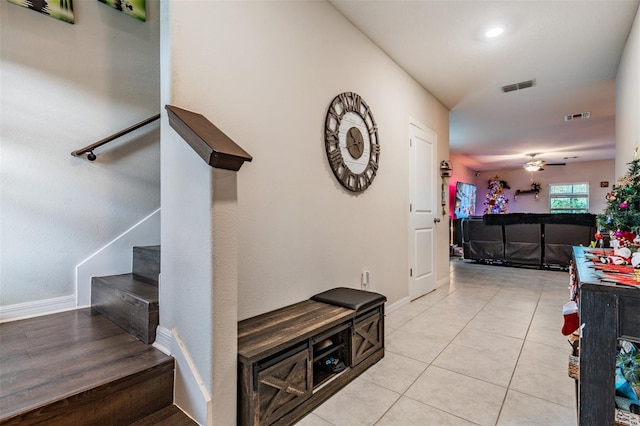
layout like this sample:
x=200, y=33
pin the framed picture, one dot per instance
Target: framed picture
x=59, y=9
x=134, y=8
x=604, y=184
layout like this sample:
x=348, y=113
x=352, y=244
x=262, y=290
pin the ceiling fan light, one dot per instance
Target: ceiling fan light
x=531, y=167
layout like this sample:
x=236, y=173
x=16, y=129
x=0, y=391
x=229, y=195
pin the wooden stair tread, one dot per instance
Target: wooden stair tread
x=70, y=355
x=131, y=285
x=168, y=416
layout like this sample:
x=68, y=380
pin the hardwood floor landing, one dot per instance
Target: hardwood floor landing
x=58, y=356
x=170, y=416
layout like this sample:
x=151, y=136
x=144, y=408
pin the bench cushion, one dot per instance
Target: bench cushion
x=351, y=298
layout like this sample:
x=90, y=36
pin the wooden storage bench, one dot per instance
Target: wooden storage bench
x=281, y=376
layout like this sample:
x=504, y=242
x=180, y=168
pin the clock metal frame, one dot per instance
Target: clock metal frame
x=351, y=141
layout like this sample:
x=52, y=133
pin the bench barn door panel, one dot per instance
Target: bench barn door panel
x=283, y=386
x=367, y=337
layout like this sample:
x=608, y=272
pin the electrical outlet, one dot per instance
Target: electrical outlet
x=364, y=280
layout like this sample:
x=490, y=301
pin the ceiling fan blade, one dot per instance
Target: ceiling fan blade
x=555, y=164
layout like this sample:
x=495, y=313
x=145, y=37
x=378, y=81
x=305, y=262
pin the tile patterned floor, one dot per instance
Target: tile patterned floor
x=484, y=350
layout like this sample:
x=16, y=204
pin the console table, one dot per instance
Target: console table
x=609, y=312
x=281, y=375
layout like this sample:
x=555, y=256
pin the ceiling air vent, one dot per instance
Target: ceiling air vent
x=518, y=86
x=577, y=116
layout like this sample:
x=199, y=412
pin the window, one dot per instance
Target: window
x=569, y=198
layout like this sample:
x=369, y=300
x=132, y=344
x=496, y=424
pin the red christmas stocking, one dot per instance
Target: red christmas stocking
x=571, y=318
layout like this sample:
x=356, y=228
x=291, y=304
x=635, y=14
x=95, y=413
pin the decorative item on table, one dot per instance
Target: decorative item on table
x=621, y=217
x=616, y=259
x=599, y=240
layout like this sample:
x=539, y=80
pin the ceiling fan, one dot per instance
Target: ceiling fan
x=534, y=165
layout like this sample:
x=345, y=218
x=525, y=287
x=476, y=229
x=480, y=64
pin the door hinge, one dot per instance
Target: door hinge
x=410, y=207
x=411, y=272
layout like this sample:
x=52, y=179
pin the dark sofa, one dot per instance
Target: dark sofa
x=528, y=239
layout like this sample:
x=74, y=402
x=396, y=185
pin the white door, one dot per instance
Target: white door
x=423, y=210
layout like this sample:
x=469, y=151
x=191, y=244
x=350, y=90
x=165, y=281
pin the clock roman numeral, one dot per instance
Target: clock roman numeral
x=364, y=180
x=331, y=135
x=375, y=148
x=357, y=102
x=368, y=177
x=348, y=177
x=365, y=113
x=335, y=158
x=334, y=113
x=345, y=99
x=357, y=185
x=373, y=129
x=352, y=181
x=345, y=174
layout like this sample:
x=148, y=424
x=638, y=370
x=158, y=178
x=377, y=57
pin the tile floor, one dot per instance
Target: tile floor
x=484, y=350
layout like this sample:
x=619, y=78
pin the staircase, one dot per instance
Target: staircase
x=80, y=368
x=131, y=300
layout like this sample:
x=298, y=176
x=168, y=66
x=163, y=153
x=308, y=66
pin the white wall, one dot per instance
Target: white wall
x=116, y=257
x=63, y=87
x=628, y=100
x=265, y=73
x=592, y=172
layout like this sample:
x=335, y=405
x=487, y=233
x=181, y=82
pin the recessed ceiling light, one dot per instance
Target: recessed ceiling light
x=494, y=32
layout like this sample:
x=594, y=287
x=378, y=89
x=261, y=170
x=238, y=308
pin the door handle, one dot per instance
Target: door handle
x=436, y=219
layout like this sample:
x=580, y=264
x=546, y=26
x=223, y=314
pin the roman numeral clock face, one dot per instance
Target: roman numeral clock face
x=351, y=141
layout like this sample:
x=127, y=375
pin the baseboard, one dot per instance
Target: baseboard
x=164, y=340
x=396, y=305
x=443, y=281
x=190, y=392
x=36, y=308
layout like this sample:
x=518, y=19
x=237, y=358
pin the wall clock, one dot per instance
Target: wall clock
x=351, y=141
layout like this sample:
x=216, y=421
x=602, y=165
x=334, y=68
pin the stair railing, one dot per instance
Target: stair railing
x=89, y=148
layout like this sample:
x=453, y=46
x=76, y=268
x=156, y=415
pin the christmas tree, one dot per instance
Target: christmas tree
x=622, y=212
x=496, y=202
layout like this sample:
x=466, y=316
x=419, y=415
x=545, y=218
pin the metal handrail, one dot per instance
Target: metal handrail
x=89, y=148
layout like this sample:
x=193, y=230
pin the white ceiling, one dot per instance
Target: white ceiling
x=571, y=48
